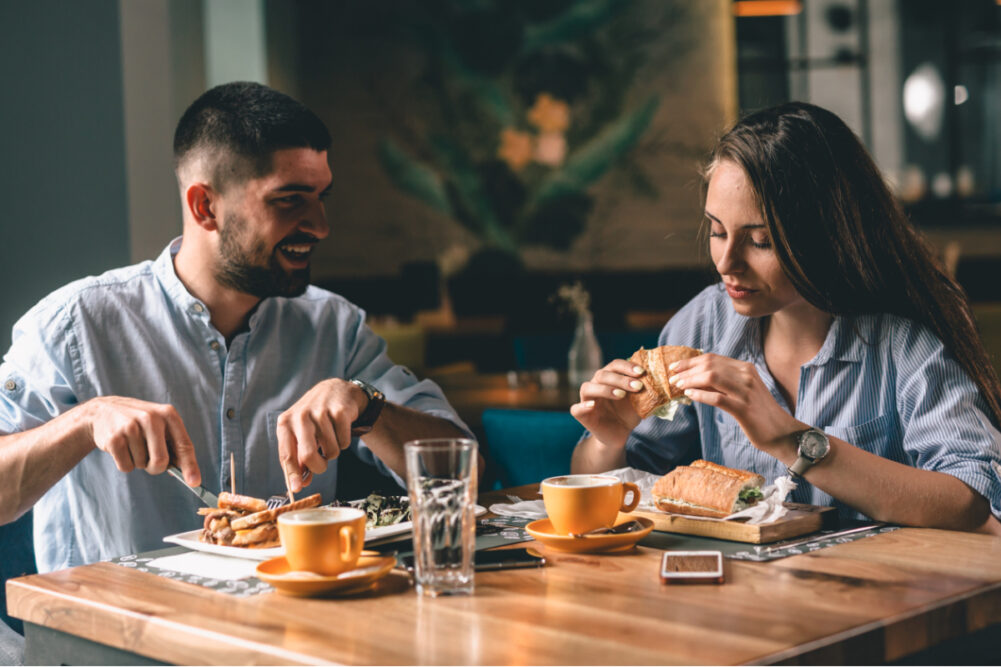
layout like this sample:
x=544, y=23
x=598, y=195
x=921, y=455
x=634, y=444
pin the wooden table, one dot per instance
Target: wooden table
x=869, y=601
x=471, y=393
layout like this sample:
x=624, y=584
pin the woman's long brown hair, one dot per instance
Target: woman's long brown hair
x=840, y=235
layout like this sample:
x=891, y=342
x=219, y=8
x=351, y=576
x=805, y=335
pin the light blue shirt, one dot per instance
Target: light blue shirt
x=137, y=332
x=880, y=382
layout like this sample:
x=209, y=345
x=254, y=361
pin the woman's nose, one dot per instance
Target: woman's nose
x=731, y=260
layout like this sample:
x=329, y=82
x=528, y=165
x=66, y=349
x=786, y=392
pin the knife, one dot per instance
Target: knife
x=819, y=537
x=207, y=497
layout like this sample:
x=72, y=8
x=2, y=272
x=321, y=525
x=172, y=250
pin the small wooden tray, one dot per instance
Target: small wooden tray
x=800, y=520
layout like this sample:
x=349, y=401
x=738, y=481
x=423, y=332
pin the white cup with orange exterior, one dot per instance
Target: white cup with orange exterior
x=577, y=504
x=324, y=540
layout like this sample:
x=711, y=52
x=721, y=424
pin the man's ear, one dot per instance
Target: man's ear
x=200, y=200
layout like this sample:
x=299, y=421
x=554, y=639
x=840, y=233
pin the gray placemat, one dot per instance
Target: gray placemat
x=490, y=533
x=763, y=552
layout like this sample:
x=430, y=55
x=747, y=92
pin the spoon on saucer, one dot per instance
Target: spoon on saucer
x=626, y=527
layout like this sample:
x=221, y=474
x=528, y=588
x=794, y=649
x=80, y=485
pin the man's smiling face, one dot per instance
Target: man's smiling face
x=270, y=225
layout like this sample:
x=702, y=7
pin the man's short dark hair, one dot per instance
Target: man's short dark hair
x=238, y=126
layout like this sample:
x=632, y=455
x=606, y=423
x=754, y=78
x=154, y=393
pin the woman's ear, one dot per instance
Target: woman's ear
x=200, y=200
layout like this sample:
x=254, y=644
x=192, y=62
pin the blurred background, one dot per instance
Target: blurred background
x=488, y=153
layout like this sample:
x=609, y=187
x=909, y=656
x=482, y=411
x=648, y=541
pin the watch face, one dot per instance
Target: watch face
x=813, y=444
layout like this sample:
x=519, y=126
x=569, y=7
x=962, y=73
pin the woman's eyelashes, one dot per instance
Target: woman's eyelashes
x=758, y=240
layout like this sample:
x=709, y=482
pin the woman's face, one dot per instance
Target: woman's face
x=741, y=247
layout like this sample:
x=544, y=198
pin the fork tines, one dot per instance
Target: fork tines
x=274, y=502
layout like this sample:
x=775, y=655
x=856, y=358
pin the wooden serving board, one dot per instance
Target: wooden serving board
x=801, y=520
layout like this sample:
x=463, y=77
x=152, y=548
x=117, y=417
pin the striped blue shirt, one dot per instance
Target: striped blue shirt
x=880, y=382
x=138, y=332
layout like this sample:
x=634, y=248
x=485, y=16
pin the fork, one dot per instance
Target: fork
x=276, y=501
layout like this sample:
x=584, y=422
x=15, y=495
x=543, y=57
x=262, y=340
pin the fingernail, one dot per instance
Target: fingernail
x=636, y=384
x=618, y=392
x=688, y=393
x=589, y=404
x=639, y=369
x=675, y=380
x=672, y=365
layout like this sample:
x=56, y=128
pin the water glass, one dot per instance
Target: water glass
x=441, y=478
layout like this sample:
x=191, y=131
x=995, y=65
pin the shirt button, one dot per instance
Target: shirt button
x=10, y=385
x=198, y=308
x=230, y=413
x=214, y=345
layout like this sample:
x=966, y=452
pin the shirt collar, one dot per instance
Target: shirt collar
x=844, y=340
x=166, y=273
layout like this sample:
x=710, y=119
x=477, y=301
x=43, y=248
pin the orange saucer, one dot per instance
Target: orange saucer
x=368, y=570
x=542, y=530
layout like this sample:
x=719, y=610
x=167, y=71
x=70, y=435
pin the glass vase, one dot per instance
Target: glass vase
x=584, y=357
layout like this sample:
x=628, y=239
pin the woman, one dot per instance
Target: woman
x=833, y=327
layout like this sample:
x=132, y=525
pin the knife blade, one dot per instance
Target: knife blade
x=818, y=537
x=207, y=497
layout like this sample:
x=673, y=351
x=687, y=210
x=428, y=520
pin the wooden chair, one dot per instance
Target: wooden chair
x=526, y=446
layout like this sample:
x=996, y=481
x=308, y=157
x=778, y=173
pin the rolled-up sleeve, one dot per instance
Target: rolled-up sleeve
x=37, y=376
x=943, y=415
x=369, y=362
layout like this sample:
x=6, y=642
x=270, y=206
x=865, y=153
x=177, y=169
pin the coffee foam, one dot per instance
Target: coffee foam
x=321, y=515
x=581, y=481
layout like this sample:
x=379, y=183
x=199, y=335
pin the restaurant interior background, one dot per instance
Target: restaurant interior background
x=488, y=152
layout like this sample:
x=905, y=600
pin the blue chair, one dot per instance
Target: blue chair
x=622, y=344
x=17, y=557
x=526, y=446
x=549, y=350
x=545, y=350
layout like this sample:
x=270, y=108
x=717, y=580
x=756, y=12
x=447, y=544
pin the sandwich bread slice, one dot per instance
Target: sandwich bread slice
x=658, y=396
x=707, y=489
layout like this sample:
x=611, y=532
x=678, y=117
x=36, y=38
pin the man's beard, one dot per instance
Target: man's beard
x=242, y=269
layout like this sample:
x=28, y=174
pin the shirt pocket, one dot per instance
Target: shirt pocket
x=878, y=436
x=272, y=421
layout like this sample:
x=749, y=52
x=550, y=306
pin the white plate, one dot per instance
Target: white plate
x=190, y=540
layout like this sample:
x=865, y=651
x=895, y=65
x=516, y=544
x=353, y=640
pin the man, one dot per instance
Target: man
x=219, y=348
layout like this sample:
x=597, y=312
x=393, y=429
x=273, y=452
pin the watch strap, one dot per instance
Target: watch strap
x=801, y=465
x=376, y=400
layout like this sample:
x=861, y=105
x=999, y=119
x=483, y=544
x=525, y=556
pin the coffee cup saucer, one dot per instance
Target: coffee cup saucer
x=542, y=530
x=368, y=570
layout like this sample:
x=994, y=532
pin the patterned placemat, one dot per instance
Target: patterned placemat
x=234, y=576
x=766, y=552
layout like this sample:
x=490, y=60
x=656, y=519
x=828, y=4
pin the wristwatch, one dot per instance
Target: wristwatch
x=366, y=420
x=813, y=447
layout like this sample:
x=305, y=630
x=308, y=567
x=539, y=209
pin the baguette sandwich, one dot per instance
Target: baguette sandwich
x=707, y=489
x=658, y=396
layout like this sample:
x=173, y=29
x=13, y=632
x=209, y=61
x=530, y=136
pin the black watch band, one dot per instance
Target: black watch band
x=366, y=420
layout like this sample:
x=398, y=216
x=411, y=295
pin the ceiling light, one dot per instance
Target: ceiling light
x=745, y=8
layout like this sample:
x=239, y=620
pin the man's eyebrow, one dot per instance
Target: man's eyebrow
x=301, y=187
x=751, y=225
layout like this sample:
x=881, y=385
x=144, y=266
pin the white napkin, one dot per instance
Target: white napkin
x=210, y=566
x=523, y=509
x=766, y=510
x=771, y=507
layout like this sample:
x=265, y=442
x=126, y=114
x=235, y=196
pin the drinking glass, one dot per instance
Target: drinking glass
x=441, y=478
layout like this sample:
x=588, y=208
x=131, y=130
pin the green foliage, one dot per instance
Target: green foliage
x=588, y=163
x=486, y=64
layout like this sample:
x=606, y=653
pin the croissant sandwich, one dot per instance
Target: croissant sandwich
x=658, y=396
x=707, y=489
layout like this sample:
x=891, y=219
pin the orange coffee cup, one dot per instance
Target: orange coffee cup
x=579, y=503
x=324, y=540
